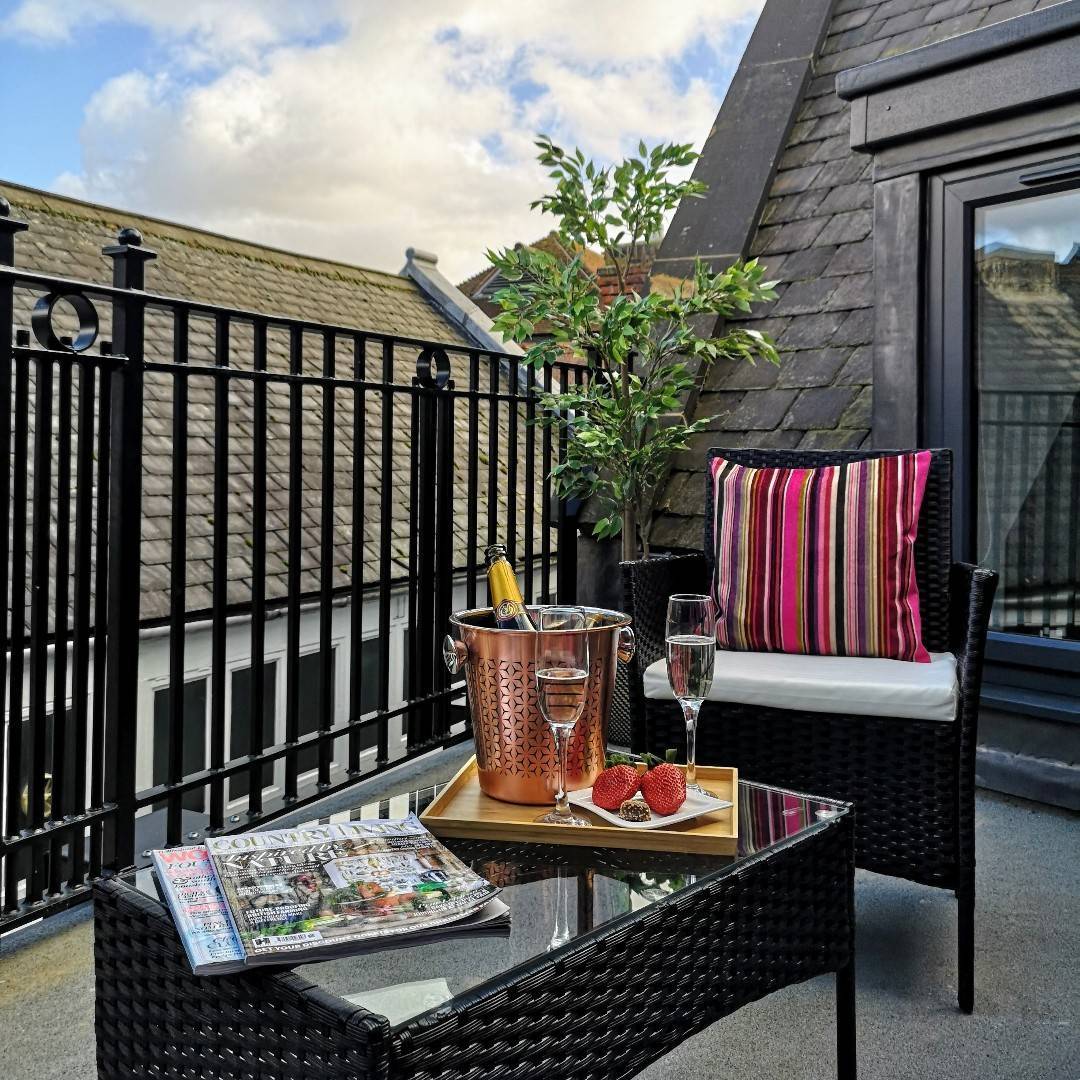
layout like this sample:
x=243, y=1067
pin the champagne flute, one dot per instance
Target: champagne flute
x=691, y=653
x=562, y=670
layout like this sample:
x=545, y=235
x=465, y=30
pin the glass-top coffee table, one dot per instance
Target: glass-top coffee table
x=613, y=958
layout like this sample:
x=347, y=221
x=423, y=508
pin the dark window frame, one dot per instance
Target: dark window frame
x=948, y=400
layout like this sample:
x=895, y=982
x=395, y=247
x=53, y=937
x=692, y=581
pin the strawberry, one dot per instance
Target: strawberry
x=615, y=785
x=664, y=788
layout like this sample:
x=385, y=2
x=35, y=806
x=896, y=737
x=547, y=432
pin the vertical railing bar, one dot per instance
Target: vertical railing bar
x=472, y=500
x=60, y=779
x=1048, y=482
x=416, y=462
x=256, y=738
x=10, y=720
x=125, y=545
x=530, y=478
x=444, y=554
x=424, y=583
x=567, y=573
x=220, y=597
x=80, y=649
x=101, y=617
x=326, y=580
x=513, y=391
x=356, y=591
x=999, y=436
x=177, y=577
x=296, y=509
x=1024, y=554
x=385, y=536
x=40, y=569
x=1074, y=516
x=18, y=621
x=493, y=454
x=545, y=503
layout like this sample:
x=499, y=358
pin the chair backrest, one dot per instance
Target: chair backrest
x=933, y=545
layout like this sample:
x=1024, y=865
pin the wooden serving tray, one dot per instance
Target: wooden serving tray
x=462, y=809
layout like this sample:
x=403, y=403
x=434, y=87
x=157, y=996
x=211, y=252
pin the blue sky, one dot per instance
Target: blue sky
x=348, y=128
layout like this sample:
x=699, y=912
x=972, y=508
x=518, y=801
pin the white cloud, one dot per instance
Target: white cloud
x=401, y=126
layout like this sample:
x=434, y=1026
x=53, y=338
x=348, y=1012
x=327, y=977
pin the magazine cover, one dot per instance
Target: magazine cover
x=329, y=887
x=190, y=887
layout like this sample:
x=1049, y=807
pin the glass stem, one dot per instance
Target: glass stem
x=562, y=740
x=690, y=712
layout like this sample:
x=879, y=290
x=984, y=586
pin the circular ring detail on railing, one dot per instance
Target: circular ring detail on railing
x=433, y=367
x=41, y=322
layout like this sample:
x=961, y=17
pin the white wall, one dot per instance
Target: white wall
x=153, y=676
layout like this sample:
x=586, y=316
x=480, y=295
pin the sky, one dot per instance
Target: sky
x=350, y=129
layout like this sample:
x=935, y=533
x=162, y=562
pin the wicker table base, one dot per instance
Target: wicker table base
x=584, y=1010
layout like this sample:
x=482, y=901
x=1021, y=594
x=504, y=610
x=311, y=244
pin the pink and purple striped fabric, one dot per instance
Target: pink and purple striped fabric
x=819, y=560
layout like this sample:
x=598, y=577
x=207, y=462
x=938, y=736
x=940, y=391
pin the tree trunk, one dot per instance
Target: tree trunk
x=629, y=533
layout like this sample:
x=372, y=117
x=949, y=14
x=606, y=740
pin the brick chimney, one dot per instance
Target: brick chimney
x=607, y=282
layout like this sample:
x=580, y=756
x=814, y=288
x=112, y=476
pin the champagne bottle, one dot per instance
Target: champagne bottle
x=509, y=607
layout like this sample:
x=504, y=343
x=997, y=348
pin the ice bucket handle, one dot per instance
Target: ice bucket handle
x=627, y=645
x=454, y=654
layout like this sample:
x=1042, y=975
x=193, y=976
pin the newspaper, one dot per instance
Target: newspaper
x=293, y=895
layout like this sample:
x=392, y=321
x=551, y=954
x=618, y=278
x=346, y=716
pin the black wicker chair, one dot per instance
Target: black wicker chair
x=912, y=781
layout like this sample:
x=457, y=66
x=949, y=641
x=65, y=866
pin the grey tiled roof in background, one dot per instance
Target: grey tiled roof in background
x=65, y=239
x=814, y=235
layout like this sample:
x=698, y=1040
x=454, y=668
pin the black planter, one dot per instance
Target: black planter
x=599, y=579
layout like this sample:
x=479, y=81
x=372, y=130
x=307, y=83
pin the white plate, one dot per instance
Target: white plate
x=694, y=807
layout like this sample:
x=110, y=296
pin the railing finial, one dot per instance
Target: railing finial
x=130, y=236
x=5, y=207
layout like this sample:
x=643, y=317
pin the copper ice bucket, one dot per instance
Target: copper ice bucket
x=515, y=749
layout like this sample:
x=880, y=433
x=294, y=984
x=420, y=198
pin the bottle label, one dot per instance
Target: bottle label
x=508, y=610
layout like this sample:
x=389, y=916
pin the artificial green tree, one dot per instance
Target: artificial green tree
x=645, y=352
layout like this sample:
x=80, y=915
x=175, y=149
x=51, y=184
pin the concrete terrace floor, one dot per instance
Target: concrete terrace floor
x=1026, y=1024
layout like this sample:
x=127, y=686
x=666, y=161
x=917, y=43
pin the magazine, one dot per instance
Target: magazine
x=295, y=895
x=191, y=890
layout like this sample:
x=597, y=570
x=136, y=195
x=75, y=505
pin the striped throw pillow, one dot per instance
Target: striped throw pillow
x=819, y=560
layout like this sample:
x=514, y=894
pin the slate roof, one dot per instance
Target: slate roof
x=814, y=235
x=65, y=239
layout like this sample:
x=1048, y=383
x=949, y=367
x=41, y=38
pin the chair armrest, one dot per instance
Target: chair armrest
x=647, y=584
x=971, y=591
x=971, y=595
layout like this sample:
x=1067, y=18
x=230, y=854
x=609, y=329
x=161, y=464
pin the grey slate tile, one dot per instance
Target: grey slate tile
x=809, y=296
x=819, y=407
x=946, y=9
x=761, y=409
x=846, y=228
x=856, y=196
x=857, y=328
x=834, y=439
x=797, y=265
x=851, y=259
x=850, y=19
x=859, y=369
x=854, y=291
x=794, y=180
x=790, y=237
x=811, y=331
x=858, y=413
x=811, y=367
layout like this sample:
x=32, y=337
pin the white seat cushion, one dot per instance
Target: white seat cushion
x=836, y=684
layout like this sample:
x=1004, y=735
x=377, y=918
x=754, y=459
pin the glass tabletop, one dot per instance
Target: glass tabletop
x=555, y=894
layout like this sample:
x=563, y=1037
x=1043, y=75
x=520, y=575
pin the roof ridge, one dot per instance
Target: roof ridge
x=176, y=230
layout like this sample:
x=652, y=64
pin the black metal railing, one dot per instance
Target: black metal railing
x=1029, y=508
x=234, y=540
